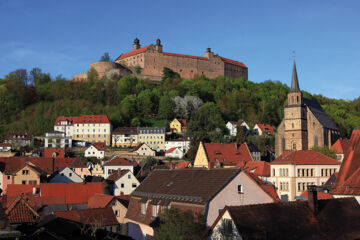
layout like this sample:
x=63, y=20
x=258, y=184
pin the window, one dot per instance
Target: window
x=8, y=177
x=240, y=189
x=134, y=185
x=122, y=185
x=154, y=210
x=273, y=172
x=129, y=176
x=116, y=213
x=23, y=182
x=25, y=172
x=70, y=174
x=143, y=208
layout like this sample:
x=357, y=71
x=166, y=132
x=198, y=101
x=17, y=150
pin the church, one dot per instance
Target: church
x=305, y=123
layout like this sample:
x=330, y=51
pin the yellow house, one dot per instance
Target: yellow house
x=29, y=174
x=98, y=171
x=178, y=125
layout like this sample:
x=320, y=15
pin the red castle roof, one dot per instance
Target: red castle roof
x=132, y=53
x=84, y=119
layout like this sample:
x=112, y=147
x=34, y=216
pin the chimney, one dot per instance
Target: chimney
x=312, y=199
x=119, y=170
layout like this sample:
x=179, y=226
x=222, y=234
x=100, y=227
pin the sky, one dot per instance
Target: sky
x=63, y=37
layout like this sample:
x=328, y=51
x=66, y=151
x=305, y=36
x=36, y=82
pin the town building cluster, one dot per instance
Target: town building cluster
x=118, y=183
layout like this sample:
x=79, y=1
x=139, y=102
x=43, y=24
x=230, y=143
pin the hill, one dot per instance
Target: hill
x=32, y=101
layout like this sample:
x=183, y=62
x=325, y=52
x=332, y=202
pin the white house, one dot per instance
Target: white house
x=174, y=153
x=144, y=150
x=5, y=147
x=232, y=127
x=182, y=144
x=122, y=182
x=115, y=163
x=96, y=149
x=65, y=175
x=57, y=139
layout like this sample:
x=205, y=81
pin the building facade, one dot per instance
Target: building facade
x=125, y=137
x=57, y=139
x=154, y=137
x=86, y=128
x=305, y=123
x=293, y=171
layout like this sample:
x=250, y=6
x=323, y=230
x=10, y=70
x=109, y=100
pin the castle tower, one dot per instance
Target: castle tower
x=208, y=54
x=136, y=44
x=295, y=118
x=158, y=46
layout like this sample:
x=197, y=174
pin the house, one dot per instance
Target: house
x=96, y=150
x=118, y=205
x=125, y=137
x=178, y=125
x=260, y=129
x=217, y=155
x=115, y=163
x=153, y=137
x=347, y=183
x=19, y=211
x=144, y=150
x=65, y=175
x=255, y=152
x=18, y=139
x=183, y=144
x=174, y=153
x=86, y=128
x=98, y=170
x=28, y=173
x=122, y=182
x=204, y=191
x=312, y=219
x=54, y=152
x=103, y=218
x=5, y=147
x=293, y=171
x=79, y=168
x=232, y=127
x=57, y=139
x=260, y=169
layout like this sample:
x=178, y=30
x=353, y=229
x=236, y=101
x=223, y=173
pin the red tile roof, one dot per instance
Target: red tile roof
x=184, y=56
x=227, y=154
x=5, y=144
x=304, y=157
x=233, y=62
x=320, y=195
x=84, y=119
x=94, y=216
x=60, y=152
x=74, y=193
x=268, y=188
x=99, y=200
x=100, y=146
x=259, y=168
x=341, y=146
x=14, y=190
x=13, y=164
x=184, y=164
x=19, y=211
x=132, y=53
x=171, y=150
x=265, y=127
x=118, y=161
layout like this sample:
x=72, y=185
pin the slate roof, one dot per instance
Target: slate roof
x=93, y=216
x=230, y=154
x=125, y=130
x=336, y=219
x=193, y=185
x=320, y=114
x=304, y=157
x=18, y=136
x=117, y=174
x=118, y=161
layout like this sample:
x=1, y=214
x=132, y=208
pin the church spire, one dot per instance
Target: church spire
x=294, y=80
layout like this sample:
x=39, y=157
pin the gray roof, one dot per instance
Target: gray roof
x=126, y=130
x=320, y=114
x=294, y=80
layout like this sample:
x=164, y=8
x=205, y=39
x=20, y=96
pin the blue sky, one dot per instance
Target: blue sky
x=63, y=37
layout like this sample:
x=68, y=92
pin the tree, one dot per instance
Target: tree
x=186, y=105
x=179, y=225
x=241, y=134
x=105, y=58
x=92, y=75
x=135, y=122
x=166, y=108
x=137, y=69
x=326, y=151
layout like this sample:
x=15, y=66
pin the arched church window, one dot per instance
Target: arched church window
x=294, y=146
x=297, y=99
x=316, y=141
x=283, y=143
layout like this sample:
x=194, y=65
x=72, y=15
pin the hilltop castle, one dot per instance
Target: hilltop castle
x=152, y=60
x=305, y=123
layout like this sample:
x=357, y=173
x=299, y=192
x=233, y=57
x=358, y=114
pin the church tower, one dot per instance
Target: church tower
x=295, y=118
